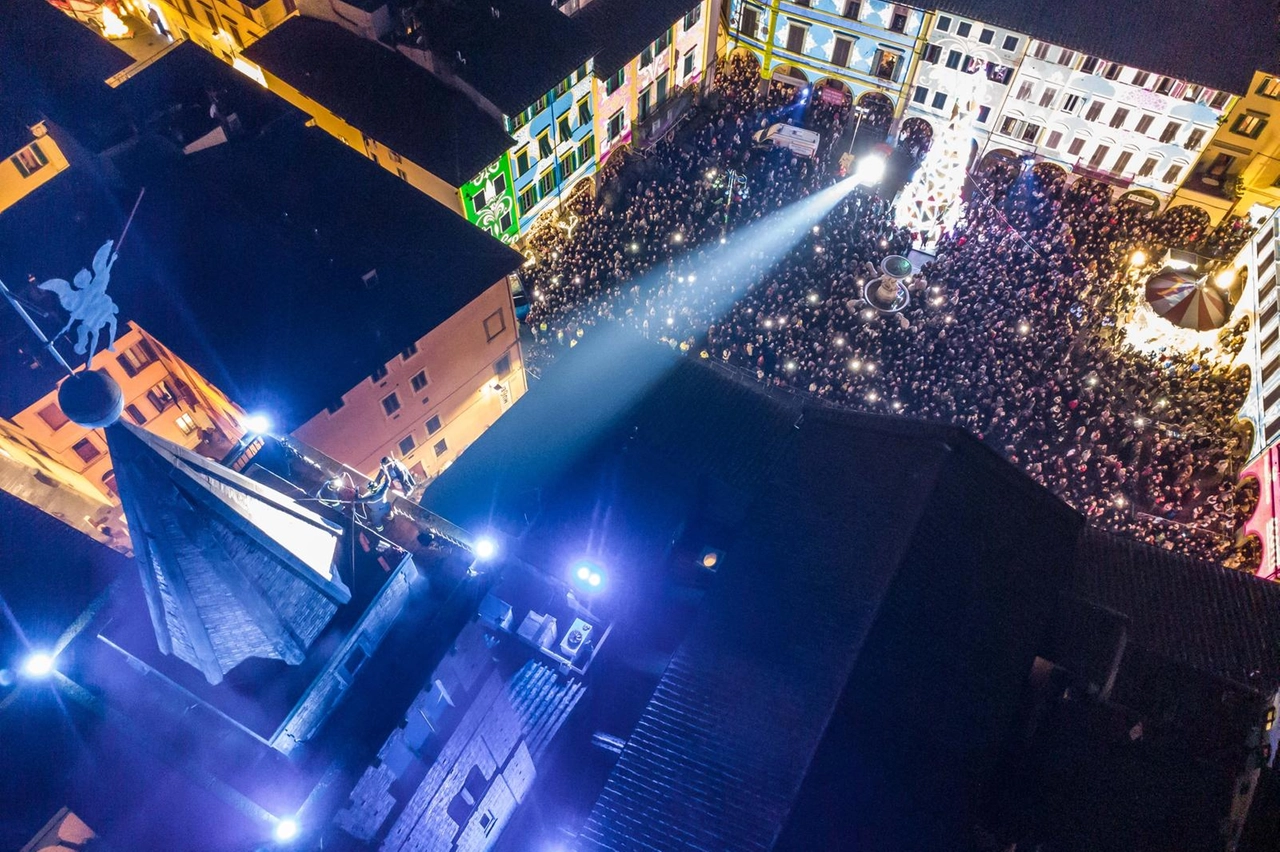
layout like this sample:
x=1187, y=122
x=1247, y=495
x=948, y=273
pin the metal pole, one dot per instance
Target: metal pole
x=35, y=328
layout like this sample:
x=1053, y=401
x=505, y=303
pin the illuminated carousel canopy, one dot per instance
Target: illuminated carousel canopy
x=1188, y=299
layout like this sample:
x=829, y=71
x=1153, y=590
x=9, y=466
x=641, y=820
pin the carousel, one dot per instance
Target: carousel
x=1185, y=306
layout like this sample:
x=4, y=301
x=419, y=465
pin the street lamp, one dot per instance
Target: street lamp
x=257, y=424
x=38, y=664
x=859, y=111
x=286, y=830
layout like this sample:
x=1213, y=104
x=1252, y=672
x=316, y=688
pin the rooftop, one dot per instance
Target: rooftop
x=1216, y=43
x=414, y=114
x=255, y=260
x=828, y=521
x=620, y=29
x=512, y=51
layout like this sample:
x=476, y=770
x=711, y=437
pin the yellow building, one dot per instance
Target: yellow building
x=34, y=163
x=1240, y=168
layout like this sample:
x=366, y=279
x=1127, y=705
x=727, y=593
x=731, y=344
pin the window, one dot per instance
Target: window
x=161, y=397
x=643, y=103
x=750, y=21
x=1269, y=88
x=503, y=365
x=29, y=160
x=1171, y=130
x=987, y=36
x=795, y=38
x=136, y=358
x=1094, y=112
x=611, y=85
x=402, y=175
x=1140, y=78
x=886, y=64
x=334, y=407
x=412, y=349
x=495, y=324
x=390, y=404
x=584, y=111
x=615, y=124
x=587, y=150
x=1024, y=91
x=1090, y=65
x=663, y=84
x=568, y=164
x=899, y=21
x=1047, y=96
x=378, y=374
x=984, y=112
x=478, y=199
x=1219, y=100
x=52, y=416
x=1194, y=139
x=1249, y=125
x=407, y=445
x=964, y=29
x=1009, y=126
x=441, y=447
x=953, y=58
x=1071, y=103
x=646, y=57
x=840, y=53
x=1113, y=70
x=186, y=424
x=1144, y=123
x=1031, y=133
x=419, y=381
x=563, y=87
x=433, y=425
x=1164, y=85
x=939, y=100
x=931, y=52
x=1001, y=74
x=691, y=19
x=544, y=145
x=1010, y=43
x=565, y=127
x=1099, y=154
x=1041, y=50
x=135, y=414
x=944, y=23
x=689, y=59
x=1122, y=162
x=920, y=95
x=1192, y=92
x=1066, y=57
x=1054, y=140
x=546, y=183
x=86, y=450
x=1118, y=117
x=1148, y=167
x=663, y=42
x=528, y=198
x=109, y=480
x=1171, y=176
x=1076, y=146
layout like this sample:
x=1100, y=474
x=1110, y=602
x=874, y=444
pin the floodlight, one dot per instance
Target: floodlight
x=594, y=580
x=38, y=664
x=286, y=829
x=257, y=424
x=485, y=548
x=869, y=170
x=1225, y=278
x=583, y=572
x=1139, y=258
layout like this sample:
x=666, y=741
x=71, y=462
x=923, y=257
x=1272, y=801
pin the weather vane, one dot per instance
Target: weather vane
x=85, y=299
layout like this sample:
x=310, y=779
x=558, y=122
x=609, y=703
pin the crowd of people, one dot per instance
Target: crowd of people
x=1013, y=332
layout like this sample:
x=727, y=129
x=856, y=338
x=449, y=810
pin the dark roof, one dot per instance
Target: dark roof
x=513, y=51
x=246, y=259
x=55, y=66
x=1213, y=619
x=835, y=511
x=1218, y=43
x=385, y=95
x=620, y=29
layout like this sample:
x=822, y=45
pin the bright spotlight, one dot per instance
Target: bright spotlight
x=594, y=580
x=1139, y=258
x=869, y=170
x=1225, y=278
x=583, y=573
x=38, y=664
x=257, y=424
x=286, y=829
x=588, y=575
x=485, y=548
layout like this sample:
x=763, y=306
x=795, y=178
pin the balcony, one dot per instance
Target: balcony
x=655, y=123
x=1106, y=176
x=1218, y=186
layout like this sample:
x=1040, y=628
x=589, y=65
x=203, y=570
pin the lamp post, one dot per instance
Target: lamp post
x=859, y=110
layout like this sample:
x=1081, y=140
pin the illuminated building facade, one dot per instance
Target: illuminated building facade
x=860, y=46
x=1261, y=407
x=1239, y=171
x=651, y=58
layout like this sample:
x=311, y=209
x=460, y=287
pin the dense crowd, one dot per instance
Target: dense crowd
x=1012, y=331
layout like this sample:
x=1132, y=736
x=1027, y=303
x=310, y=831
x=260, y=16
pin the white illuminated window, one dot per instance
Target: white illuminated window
x=186, y=424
